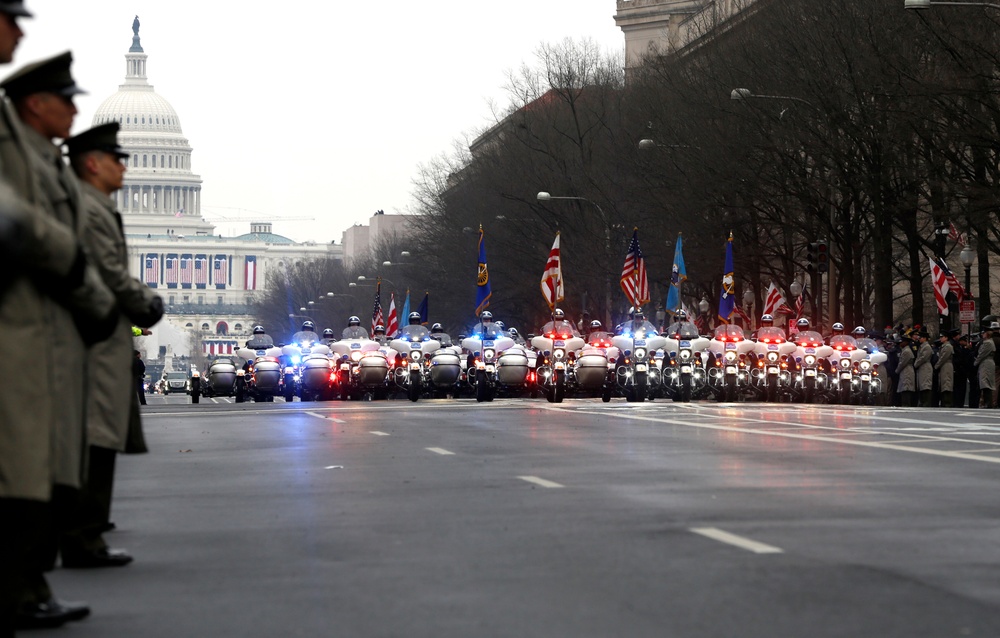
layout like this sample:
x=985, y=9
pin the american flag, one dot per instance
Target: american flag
x=552, y=280
x=741, y=313
x=171, y=271
x=220, y=271
x=392, y=325
x=200, y=271
x=773, y=301
x=955, y=235
x=944, y=281
x=800, y=303
x=152, y=271
x=377, y=309
x=634, y=281
x=186, y=271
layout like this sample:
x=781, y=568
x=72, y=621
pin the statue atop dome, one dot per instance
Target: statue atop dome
x=136, y=47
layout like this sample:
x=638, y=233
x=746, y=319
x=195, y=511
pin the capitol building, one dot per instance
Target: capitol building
x=207, y=281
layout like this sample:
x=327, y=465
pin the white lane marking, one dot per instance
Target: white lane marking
x=334, y=467
x=377, y=433
x=326, y=418
x=790, y=435
x=441, y=451
x=540, y=481
x=737, y=541
x=214, y=400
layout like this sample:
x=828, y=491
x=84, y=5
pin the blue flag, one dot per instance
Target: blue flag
x=406, y=310
x=728, y=300
x=677, y=276
x=422, y=308
x=483, y=279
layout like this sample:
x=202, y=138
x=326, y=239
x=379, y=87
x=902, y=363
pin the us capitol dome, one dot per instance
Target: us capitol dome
x=207, y=281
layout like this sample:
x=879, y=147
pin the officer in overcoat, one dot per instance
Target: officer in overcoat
x=945, y=366
x=906, y=383
x=113, y=423
x=50, y=278
x=923, y=366
x=986, y=365
x=42, y=94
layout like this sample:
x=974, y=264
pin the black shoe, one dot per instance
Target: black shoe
x=52, y=613
x=108, y=527
x=101, y=558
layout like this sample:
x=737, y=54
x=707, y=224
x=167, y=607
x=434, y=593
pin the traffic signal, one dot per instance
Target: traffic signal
x=822, y=257
x=811, y=253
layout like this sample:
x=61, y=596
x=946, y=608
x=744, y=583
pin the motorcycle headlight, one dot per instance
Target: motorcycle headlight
x=810, y=360
x=640, y=353
x=559, y=354
x=356, y=355
x=685, y=355
x=772, y=357
x=866, y=365
x=296, y=359
x=415, y=355
x=845, y=363
x=488, y=354
x=730, y=356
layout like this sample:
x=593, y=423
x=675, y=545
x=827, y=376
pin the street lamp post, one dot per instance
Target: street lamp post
x=748, y=306
x=968, y=258
x=703, y=308
x=546, y=197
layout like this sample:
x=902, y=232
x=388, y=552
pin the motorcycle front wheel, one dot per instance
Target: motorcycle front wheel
x=413, y=390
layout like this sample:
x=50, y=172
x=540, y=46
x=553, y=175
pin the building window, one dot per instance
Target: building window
x=154, y=161
x=135, y=160
x=222, y=328
x=189, y=325
x=170, y=161
x=144, y=158
x=170, y=300
x=238, y=327
x=187, y=299
x=219, y=300
x=204, y=327
x=201, y=299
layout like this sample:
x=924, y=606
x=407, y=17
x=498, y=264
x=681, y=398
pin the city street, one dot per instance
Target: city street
x=523, y=518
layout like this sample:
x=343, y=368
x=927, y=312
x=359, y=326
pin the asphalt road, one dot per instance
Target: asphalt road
x=521, y=518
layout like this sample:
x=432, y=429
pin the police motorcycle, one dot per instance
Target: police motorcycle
x=867, y=380
x=684, y=366
x=728, y=373
x=773, y=362
x=485, y=346
x=361, y=367
x=312, y=371
x=558, y=345
x=634, y=369
x=844, y=363
x=594, y=369
x=810, y=354
x=444, y=370
x=262, y=376
x=415, y=348
x=219, y=379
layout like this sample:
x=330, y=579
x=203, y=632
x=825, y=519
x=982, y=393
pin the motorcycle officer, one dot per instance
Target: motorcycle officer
x=354, y=329
x=260, y=339
x=639, y=323
x=837, y=330
x=307, y=334
x=328, y=336
x=559, y=324
x=438, y=334
x=486, y=326
x=680, y=320
x=516, y=336
x=413, y=327
x=766, y=321
x=379, y=335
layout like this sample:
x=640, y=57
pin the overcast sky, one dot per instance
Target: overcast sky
x=321, y=109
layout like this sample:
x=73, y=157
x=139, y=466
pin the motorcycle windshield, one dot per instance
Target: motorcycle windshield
x=600, y=339
x=683, y=330
x=354, y=332
x=729, y=332
x=868, y=345
x=260, y=342
x=770, y=335
x=843, y=342
x=305, y=337
x=809, y=339
x=444, y=339
x=414, y=333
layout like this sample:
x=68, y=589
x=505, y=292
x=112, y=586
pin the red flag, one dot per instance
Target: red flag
x=944, y=281
x=955, y=235
x=392, y=326
x=773, y=301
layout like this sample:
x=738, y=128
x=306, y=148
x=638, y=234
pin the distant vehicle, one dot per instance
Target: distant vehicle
x=175, y=382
